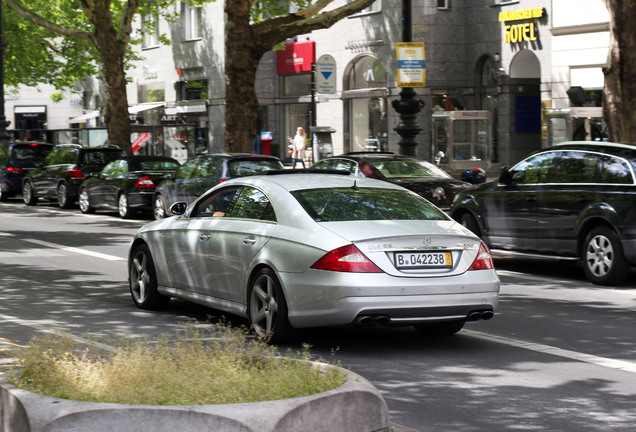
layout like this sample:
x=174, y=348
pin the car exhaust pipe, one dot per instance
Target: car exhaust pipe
x=382, y=320
x=486, y=315
x=480, y=315
x=365, y=320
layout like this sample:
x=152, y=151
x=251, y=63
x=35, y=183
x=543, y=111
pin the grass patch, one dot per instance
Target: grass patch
x=201, y=366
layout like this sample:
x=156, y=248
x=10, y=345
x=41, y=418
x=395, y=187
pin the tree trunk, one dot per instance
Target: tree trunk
x=241, y=63
x=619, y=93
x=112, y=53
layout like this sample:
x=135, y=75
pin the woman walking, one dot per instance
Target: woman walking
x=297, y=147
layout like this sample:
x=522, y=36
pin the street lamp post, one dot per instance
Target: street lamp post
x=407, y=106
x=4, y=135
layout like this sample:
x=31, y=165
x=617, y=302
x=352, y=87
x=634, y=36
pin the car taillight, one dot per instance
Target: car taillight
x=76, y=173
x=483, y=261
x=346, y=259
x=144, y=182
x=15, y=170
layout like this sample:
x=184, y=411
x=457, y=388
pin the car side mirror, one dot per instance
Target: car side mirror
x=178, y=208
x=505, y=177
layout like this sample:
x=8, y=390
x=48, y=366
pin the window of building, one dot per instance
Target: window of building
x=152, y=93
x=192, y=90
x=150, y=27
x=192, y=21
x=375, y=7
x=366, y=111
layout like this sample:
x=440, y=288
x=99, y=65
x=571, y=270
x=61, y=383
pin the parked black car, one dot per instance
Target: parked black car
x=577, y=199
x=16, y=160
x=423, y=178
x=63, y=171
x=199, y=174
x=126, y=185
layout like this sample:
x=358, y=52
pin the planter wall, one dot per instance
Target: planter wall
x=356, y=406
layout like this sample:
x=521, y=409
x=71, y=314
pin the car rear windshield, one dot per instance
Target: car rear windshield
x=100, y=157
x=362, y=204
x=247, y=167
x=156, y=165
x=30, y=152
x=398, y=168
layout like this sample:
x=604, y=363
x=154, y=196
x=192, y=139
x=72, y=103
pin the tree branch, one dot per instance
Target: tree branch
x=17, y=6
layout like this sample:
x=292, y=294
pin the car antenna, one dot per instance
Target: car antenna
x=355, y=185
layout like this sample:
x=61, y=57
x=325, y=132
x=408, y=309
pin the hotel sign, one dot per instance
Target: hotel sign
x=522, y=32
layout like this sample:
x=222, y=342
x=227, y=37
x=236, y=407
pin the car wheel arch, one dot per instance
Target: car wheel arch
x=587, y=226
x=459, y=213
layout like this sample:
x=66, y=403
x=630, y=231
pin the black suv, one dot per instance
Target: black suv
x=16, y=160
x=577, y=199
x=199, y=174
x=63, y=171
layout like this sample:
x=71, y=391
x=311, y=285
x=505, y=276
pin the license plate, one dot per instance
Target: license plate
x=423, y=259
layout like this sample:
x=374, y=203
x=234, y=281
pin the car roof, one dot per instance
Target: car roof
x=302, y=179
x=612, y=148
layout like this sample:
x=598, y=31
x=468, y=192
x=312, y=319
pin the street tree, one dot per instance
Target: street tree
x=63, y=41
x=254, y=28
x=619, y=92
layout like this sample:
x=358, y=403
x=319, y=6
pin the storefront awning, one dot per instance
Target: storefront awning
x=193, y=108
x=144, y=107
x=84, y=117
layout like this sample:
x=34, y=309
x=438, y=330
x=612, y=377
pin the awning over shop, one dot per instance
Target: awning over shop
x=193, y=108
x=144, y=107
x=84, y=117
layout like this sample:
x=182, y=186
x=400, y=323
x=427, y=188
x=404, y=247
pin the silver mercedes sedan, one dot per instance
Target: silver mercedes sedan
x=294, y=249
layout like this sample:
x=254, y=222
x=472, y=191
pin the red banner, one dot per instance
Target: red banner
x=296, y=58
x=140, y=141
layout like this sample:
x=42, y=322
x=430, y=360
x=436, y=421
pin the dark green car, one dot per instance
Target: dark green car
x=577, y=199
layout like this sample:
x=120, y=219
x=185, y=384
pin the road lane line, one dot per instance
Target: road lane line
x=546, y=349
x=75, y=250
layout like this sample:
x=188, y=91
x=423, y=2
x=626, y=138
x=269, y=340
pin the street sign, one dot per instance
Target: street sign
x=411, y=64
x=326, y=74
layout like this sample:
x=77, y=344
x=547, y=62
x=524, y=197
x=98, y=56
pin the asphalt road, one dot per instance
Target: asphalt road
x=558, y=356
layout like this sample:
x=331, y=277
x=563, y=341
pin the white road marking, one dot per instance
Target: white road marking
x=546, y=349
x=74, y=250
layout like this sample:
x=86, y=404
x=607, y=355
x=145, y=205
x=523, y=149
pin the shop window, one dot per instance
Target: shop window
x=150, y=26
x=366, y=114
x=192, y=21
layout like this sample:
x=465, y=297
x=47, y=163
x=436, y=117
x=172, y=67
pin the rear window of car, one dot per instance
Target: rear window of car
x=29, y=152
x=100, y=157
x=362, y=204
x=407, y=169
x=247, y=167
x=157, y=165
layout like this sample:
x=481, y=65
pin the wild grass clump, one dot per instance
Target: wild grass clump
x=198, y=367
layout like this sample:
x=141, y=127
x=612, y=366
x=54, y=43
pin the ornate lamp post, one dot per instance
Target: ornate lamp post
x=4, y=136
x=407, y=106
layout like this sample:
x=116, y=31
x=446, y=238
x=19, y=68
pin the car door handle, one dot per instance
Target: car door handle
x=204, y=237
x=249, y=241
x=531, y=198
x=582, y=199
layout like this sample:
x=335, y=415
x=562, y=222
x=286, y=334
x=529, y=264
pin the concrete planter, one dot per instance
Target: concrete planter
x=355, y=406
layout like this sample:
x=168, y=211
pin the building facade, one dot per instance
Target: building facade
x=503, y=78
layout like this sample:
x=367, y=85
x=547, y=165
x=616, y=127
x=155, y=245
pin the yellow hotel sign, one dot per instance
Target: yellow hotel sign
x=520, y=32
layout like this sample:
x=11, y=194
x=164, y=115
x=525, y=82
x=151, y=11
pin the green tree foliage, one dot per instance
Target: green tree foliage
x=60, y=42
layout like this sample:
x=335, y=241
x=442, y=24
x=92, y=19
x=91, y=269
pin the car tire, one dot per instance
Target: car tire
x=123, y=207
x=603, y=259
x=142, y=278
x=85, y=203
x=3, y=196
x=63, y=199
x=28, y=195
x=443, y=328
x=467, y=220
x=159, y=207
x=267, y=308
